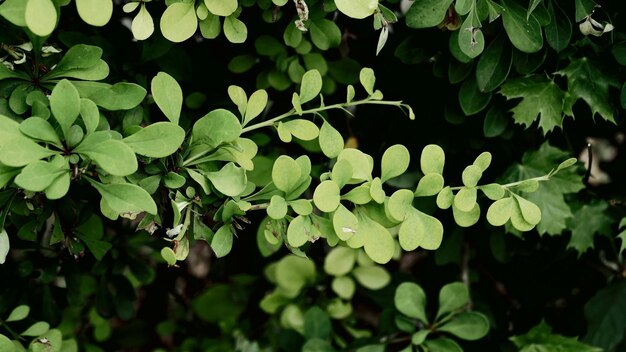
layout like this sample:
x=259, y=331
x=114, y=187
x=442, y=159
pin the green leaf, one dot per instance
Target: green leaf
x=301, y=206
x=339, y=261
x=586, y=222
x=427, y=13
x=255, y=106
x=38, y=175
x=38, y=328
x=344, y=287
x=324, y=34
x=541, y=97
x=317, y=324
x=95, y=12
x=90, y=114
x=13, y=11
x=584, y=8
x=442, y=344
x=120, y=96
x=471, y=40
x=471, y=175
x=345, y=223
x=367, y=78
x=326, y=196
x=158, y=140
x=168, y=255
x=18, y=313
x=167, y=95
x=432, y=159
x=179, y=22
x=230, y=180
x=143, y=24
x=331, y=141
x=17, y=150
x=530, y=212
x=40, y=129
x=277, y=208
x=235, y=30
x=605, y=313
x=125, y=197
x=301, y=129
x=395, y=162
x=524, y=32
x=5, y=343
x=41, y=17
x=429, y=185
x=466, y=218
x=358, y=9
x=5, y=245
x=286, y=173
x=541, y=339
x=465, y=199
x=372, y=277
x=217, y=127
x=410, y=300
x=471, y=99
x=222, y=241
x=311, y=86
x=420, y=230
x=559, y=30
x=445, y=198
x=467, y=326
x=588, y=81
x=113, y=156
x=65, y=104
x=377, y=241
x=500, y=211
x=452, y=297
x=221, y=7
x=400, y=204
x=494, y=65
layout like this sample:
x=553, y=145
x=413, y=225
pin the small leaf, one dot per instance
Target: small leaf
x=466, y=218
x=41, y=17
x=530, y=212
x=217, y=127
x=179, y=22
x=65, y=104
x=432, y=159
x=410, y=300
x=286, y=173
x=167, y=95
x=255, y=106
x=343, y=286
x=483, y=161
x=316, y=324
x=95, y=12
x=168, y=255
x=371, y=277
x=400, y=204
x=38, y=328
x=326, y=196
x=311, y=86
x=19, y=313
x=368, y=79
x=38, y=128
x=429, y=185
x=239, y=97
x=222, y=241
x=5, y=245
x=297, y=234
x=465, y=199
x=467, y=326
x=302, y=129
x=113, y=156
x=125, y=197
x=500, y=211
x=395, y=161
x=221, y=7
x=524, y=32
x=471, y=175
x=38, y=175
x=143, y=24
x=445, y=198
x=358, y=9
x=340, y=261
x=230, y=180
x=452, y=297
x=427, y=13
x=331, y=141
x=345, y=223
x=235, y=30
x=277, y=208
x=158, y=140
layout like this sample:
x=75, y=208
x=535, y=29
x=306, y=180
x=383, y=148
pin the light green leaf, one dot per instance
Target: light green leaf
x=235, y=30
x=530, y=211
x=358, y=9
x=95, y=12
x=125, y=197
x=410, y=300
x=230, y=180
x=297, y=233
x=120, y=96
x=362, y=164
x=445, y=198
x=90, y=114
x=168, y=255
x=38, y=128
x=524, y=32
x=429, y=185
x=465, y=199
x=5, y=245
x=302, y=129
x=286, y=173
x=427, y=13
x=41, y=17
x=395, y=162
x=345, y=223
x=5, y=343
x=277, y=208
x=331, y=141
x=38, y=175
x=217, y=127
x=376, y=191
x=158, y=140
x=452, y=297
x=471, y=175
x=368, y=79
x=239, y=97
x=432, y=159
x=65, y=104
x=222, y=241
x=255, y=106
x=13, y=11
x=179, y=22
x=343, y=286
x=400, y=204
x=113, y=156
x=500, y=211
x=143, y=24
x=221, y=7
x=167, y=95
x=301, y=206
x=378, y=243
x=372, y=277
x=467, y=326
x=326, y=196
x=340, y=261
x=466, y=218
x=38, y=328
x=18, y=313
x=311, y=86
x=442, y=344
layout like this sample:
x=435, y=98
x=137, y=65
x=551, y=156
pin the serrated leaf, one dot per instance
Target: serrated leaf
x=586, y=222
x=541, y=97
x=541, y=339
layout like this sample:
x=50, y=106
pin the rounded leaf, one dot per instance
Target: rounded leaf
x=372, y=277
x=168, y=255
x=179, y=22
x=221, y=7
x=432, y=159
x=158, y=140
x=286, y=173
x=357, y=8
x=331, y=141
x=167, y=95
x=217, y=127
x=143, y=24
x=452, y=297
x=95, y=12
x=410, y=300
x=345, y=223
x=395, y=162
x=465, y=199
x=297, y=234
x=41, y=17
x=429, y=185
x=311, y=86
x=343, y=286
x=467, y=326
x=471, y=175
x=500, y=211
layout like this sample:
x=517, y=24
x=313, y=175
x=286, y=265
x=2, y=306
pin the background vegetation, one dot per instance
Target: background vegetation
x=319, y=175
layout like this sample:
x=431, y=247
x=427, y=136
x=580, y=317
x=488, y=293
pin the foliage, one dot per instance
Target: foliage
x=258, y=197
